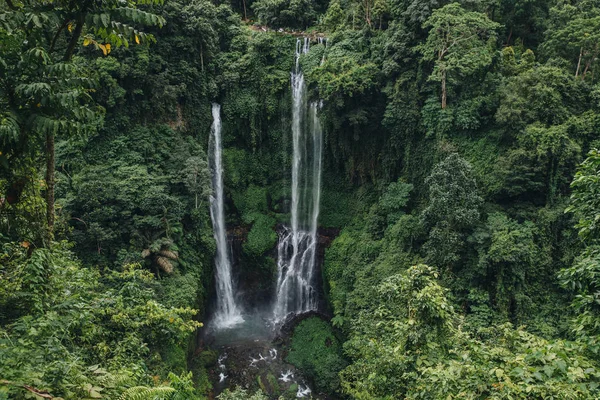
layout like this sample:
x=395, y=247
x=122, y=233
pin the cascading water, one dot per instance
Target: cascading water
x=297, y=247
x=227, y=313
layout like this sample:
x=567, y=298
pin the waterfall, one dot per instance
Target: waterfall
x=227, y=314
x=297, y=247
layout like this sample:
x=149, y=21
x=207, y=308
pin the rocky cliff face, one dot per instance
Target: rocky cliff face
x=256, y=280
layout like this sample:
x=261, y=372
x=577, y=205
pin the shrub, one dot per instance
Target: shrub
x=318, y=353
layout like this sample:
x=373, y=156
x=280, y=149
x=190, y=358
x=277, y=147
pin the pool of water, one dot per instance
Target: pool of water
x=256, y=327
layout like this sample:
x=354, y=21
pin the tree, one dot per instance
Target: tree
x=196, y=178
x=283, y=13
x=409, y=317
x=574, y=33
x=583, y=276
x=585, y=200
x=44, y=91
x=199, y=19
x=453, y=208
x=509, y=261
x=457, y=44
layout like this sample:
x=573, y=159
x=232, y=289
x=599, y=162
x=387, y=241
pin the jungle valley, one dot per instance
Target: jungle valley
x=281, y=199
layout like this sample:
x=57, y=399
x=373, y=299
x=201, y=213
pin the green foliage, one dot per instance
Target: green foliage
x=73, y=331
x=132, y=187
x=344, y=76
x=262, y=236
x=585, y=202
x=411, y=344
x=582, y=276
x=510, y=364
x=457, y=43
x=241, y=394
x=281, y=13
x=453, y=208
x=144, y=393
x=513, y=255
x=573, y=34
x=317, y=352
x=408, y=314
x=395, y=198
x=181, y=387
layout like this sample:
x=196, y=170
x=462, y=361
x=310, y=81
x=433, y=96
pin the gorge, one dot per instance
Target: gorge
x=297, y=282
x=330, y=199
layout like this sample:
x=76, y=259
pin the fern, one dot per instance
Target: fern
x=9, y=128
x=146, y=393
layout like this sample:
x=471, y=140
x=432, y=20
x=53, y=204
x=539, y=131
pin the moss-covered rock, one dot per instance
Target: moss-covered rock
x=317, y=352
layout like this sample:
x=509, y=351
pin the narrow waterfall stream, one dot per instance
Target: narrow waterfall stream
x=227, y=313
x=297, y=247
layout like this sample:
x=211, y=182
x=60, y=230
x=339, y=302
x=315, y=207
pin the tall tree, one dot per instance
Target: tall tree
x=457, y=44
x=453, y=209
x=583, y=276
x=575, y=34
x=44, y=92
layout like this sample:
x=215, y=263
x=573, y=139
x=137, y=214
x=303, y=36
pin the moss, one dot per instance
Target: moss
x=174, y=359
x=291, y=392
x=262, y=236
x=318, y=353
x=261, y=384
x=208, y=358
x=274, y=384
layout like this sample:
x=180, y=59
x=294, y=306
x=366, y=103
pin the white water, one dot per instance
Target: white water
x=227, y=313
x=297, y=247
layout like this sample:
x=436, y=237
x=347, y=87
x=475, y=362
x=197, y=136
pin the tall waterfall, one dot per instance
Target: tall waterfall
x=227, y=314
x=297, y=247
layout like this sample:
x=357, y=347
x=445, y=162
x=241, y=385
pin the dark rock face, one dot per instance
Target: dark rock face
x=256, y=283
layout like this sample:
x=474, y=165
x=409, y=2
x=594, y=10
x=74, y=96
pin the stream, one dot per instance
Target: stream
x=249, y=357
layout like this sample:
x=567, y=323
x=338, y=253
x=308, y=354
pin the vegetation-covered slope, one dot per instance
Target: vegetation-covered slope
x=466, y=261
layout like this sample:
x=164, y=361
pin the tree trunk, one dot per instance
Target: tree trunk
x=201, y=57
x=579, y=62
x=589, y=63
x=245, y=16
x=195, y=183
x=443, y=89
x=50, y=185
x=75, y=37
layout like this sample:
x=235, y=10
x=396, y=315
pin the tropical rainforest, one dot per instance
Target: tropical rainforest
x=459, y=224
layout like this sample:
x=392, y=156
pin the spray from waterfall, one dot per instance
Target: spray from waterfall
x=297, y=247
x=227, y=313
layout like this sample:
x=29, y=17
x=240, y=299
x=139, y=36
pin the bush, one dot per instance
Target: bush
x=261, y=237
x=241, y=394
x=318, y=353
x=77, y=332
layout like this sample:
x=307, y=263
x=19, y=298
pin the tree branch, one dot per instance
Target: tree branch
x=63, y=26
x=40, y=393
x=75, y=37
x=78, y=29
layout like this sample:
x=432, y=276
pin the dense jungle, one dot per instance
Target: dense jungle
x=277, y=199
